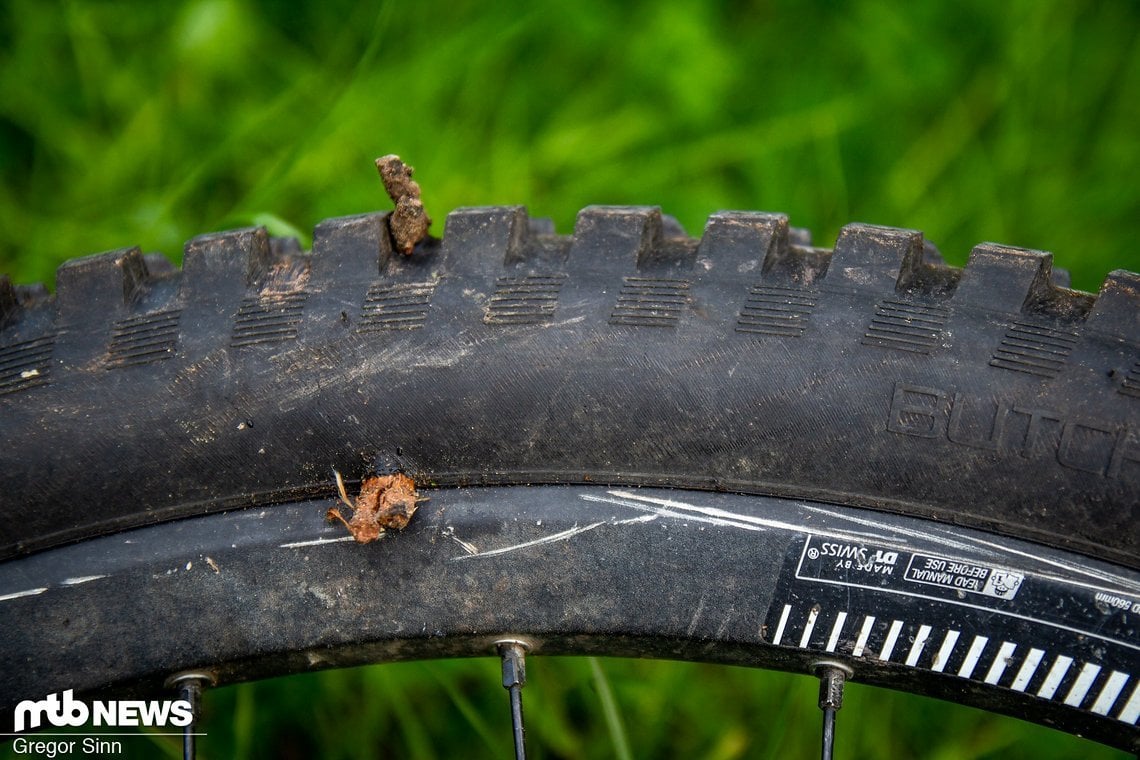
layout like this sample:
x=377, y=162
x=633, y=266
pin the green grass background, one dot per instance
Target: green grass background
x=144, y=123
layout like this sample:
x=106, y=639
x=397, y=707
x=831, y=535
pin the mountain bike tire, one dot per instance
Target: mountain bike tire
x=985, y=418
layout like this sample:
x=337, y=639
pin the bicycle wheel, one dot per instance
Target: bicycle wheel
x=924, y=474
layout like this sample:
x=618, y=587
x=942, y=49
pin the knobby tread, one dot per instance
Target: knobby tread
x=26, y=364
x=906, y=326
x=530, y=299
x=775, y=310
x=268, y=319
x=396, y=307
x=1034, y=349
x=627, y=352
x=143, y=339
x=1131, y=383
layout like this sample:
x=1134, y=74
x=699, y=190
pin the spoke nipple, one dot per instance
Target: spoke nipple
x=513, y=654
x=831, y=689
x=832, y=677
x=203, y=678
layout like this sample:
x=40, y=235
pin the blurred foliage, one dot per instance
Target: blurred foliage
x=146, y=123
x=668, y=710
x=125, y=123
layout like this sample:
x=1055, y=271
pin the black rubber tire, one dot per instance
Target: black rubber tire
x=628, y=354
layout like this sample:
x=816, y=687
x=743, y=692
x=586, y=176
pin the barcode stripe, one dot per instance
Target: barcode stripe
x=1130, y=713
x=864, y=634
x=945, y=651
x=1108, y=694
x=1001, y=661
x=836, y=630
x=889, y=644
x=782, y=624
x=806, y=637
x=972, y=656
x=1081, y=686
x=918, y=645
x=1027, y=669
x=1056, y=674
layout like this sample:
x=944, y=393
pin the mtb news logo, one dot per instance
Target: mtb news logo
x=64, y=710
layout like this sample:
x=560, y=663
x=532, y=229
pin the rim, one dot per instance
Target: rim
x=1000, y=624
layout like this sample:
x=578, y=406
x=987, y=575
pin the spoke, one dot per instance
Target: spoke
x=831, y=679
x=513, y=654
x=828, y=733
x=190, y=687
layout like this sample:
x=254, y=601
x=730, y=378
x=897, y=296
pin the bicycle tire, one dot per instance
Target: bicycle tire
x=626, y=354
